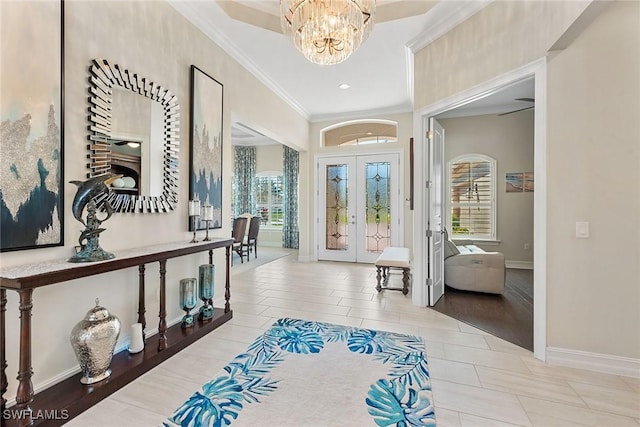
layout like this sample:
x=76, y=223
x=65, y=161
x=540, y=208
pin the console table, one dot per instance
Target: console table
x=69, y=398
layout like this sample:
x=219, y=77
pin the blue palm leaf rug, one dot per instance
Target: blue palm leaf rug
x=304, y=373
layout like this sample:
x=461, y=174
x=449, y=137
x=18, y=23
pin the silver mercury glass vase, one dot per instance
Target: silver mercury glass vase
x=93, y=340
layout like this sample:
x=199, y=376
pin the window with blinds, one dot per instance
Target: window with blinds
x=472, y=183
x=269, y=200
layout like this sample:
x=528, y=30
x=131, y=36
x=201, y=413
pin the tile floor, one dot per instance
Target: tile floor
x=477, y=379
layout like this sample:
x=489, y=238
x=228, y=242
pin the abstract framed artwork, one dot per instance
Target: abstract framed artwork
x=205, y=167
x=31, y=130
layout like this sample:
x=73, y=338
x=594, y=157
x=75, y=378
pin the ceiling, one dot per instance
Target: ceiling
x=380, y=73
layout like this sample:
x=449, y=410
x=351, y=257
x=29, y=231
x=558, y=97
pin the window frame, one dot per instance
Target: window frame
x=270, y=175
x=474, y=157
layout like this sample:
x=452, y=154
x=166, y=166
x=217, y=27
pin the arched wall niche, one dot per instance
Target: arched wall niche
x=358, y=132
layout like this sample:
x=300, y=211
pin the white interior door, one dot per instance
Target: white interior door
x=435, y=208
x=359, y=207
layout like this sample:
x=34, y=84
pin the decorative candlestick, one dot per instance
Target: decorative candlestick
x=194, y=213
x=207, y=216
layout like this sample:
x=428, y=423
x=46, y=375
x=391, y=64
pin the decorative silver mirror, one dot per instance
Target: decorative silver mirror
x=134, y=131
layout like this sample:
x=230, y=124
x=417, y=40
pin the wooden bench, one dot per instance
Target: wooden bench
x=396, y=259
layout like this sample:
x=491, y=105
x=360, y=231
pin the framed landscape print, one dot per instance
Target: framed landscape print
x=205, y=171
x=31, y=125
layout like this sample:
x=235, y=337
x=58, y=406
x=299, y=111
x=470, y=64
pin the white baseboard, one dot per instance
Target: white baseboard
x=606, y=363
x=37, y=388
x=524, y=265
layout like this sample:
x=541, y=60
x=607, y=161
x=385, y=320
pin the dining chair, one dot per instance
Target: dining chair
x=251, y=240
x=238, y=232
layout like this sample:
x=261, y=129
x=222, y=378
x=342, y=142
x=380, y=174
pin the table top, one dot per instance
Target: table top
x=60, y=270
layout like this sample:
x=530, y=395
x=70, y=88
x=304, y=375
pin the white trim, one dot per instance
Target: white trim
x=394, y=109
x=447, y=21
x=609, y=364
x=540, y=212
x=191, y=13
x=408, y=57
x=539, y=70
x=521, y=265
x=355, y=122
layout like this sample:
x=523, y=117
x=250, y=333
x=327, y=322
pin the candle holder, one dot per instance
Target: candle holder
x=188, y=300
x=207, y=217
x=194, y=213
x=207, y=274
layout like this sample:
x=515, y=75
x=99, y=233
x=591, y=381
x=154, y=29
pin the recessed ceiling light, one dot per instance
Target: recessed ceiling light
x=344, y=86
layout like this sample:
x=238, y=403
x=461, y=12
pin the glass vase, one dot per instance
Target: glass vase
x=188, y=300
x=207, y=275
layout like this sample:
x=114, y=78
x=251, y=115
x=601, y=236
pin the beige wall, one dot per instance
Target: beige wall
x=509, y=140
x=593, y=297
x=405, y=131
x=152, y=39
x=594, y=175
x=501, y=37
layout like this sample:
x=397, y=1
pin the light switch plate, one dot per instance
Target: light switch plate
x=582, y=230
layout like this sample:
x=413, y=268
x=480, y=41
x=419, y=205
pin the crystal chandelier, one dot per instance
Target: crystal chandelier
x=327, y=31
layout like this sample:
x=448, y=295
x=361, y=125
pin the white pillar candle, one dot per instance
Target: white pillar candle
x=194, y=208
x=208, y=213
x=137, y=340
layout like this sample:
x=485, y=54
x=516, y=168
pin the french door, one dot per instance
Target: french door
x=435, y=209
x=359, y=206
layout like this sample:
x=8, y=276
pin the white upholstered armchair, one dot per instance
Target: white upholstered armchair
x=468, y=267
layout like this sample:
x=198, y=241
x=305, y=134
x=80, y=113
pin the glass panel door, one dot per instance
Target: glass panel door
x=359, y=207
x=337, y=209
x=379, y=208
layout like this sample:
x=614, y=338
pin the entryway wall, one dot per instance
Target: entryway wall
x=509, y=140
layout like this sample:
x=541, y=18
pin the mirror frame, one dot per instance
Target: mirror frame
x=103, y=77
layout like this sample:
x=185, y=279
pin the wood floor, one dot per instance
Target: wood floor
x=508, y=316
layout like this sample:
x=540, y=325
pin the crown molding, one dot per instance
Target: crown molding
x=409, y=72
x=363, y=114
x=187, y=10
x=449, y=16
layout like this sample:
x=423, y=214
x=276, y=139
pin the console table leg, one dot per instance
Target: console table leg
x=210, y=256
x=162, y=326
x=4, y=383
x=24, y=395
x=141, y=307
x=227, y=287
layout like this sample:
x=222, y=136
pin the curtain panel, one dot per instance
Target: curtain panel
x=244, y=184
x=290, y=232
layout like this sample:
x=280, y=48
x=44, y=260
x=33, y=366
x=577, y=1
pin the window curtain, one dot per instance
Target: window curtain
x=244, y=181
x=290, y=232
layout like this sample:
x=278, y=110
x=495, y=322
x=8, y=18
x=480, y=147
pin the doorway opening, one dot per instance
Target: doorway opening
x=422, y=248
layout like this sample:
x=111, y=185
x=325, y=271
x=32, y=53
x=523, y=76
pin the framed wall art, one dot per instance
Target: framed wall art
x=205, y=167
x=31, y=118
x=519, y=182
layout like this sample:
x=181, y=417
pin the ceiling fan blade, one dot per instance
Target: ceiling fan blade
x=526, y=99
x=515, y=111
